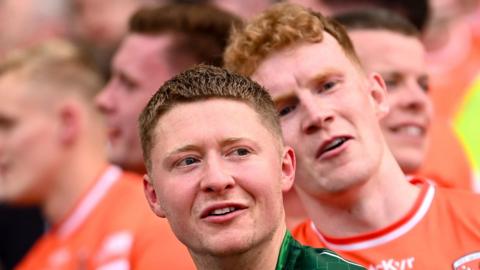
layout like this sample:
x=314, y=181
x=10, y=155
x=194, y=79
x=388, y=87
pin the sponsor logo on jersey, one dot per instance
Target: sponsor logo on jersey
x=393, y=264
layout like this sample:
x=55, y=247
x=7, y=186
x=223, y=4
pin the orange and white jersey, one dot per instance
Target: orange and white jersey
x=441, y=231
x=111, y=227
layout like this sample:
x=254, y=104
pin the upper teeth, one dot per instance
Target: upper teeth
x=411, y=130
x=223, y=210
x=334, y=143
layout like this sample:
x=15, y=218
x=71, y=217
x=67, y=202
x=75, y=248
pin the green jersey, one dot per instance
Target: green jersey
x=294, y=255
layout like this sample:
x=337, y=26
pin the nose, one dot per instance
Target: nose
x=105, y=99
x=216, y=178
x=316, y=116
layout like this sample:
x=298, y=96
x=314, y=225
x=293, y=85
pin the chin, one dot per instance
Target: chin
x=410, y=167
x=232, y=249
x=223, y=247
x=410, y=162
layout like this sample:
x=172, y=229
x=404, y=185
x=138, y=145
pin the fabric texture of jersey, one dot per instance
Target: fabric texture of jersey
x=441, y=231
x=111, y=227
x=294, y=256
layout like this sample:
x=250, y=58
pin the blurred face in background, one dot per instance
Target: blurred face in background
x=30, y=150
x=139, y=68
x=400, y=59
x=103, y=23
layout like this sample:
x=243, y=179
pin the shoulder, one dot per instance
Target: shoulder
x=458, y=198
x=306, y=257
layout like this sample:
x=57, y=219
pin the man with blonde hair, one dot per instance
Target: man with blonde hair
x=51, y=155
x=355, y=193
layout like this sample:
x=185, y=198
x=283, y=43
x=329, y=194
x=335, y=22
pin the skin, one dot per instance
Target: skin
x=36, y=119
x=402, y=65
x=103, y=22
x=139, y=67
x=236, y=162
x=323, y=96
x=28, y=130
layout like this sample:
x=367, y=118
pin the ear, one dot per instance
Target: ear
x=288, y=168
x=151, y=196
x=70, y=122
x=378, y=94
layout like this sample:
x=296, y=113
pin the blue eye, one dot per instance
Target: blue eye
x=242, y=151
x=187, y=161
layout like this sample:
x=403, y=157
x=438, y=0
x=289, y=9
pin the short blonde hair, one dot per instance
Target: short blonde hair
x=200, y=83
x=278, y=27
x=55, y=64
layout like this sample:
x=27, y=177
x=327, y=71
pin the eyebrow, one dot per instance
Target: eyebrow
x=185, y=148
x=323, y=76
x=319, y=77
x=223, y=143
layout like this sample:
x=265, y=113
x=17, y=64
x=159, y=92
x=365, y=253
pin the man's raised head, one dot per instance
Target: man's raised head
x=201, y=83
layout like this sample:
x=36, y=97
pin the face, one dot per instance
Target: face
x=227, y=178
x=139, y=68
x=329, y=111
x=103, y=22
x=403, y=68
x=28, y=130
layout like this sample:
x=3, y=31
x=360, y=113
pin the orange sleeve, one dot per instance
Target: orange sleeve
x=156, y=247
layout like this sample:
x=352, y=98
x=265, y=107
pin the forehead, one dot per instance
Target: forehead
x=383, y=50
x=214, y=119
x=143, y=53
x=297, y=65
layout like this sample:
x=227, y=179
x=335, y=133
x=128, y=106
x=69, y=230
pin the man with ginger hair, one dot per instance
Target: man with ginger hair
x=213, y=137
x=52, y=156
x=355, y=193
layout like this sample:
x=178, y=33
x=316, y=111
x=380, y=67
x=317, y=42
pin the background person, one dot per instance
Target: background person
x=403, y=67
x=162, y=41
x=51, y=155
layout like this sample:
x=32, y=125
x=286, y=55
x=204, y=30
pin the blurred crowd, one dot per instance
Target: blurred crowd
x=113, y=41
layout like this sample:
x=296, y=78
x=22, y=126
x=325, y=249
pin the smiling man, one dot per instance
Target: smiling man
x=217, y=169
x=355, y=193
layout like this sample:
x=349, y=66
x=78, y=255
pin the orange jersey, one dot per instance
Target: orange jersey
x=441, y=231
x=111, y=227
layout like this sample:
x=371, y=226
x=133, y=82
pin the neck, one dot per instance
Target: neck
x=385, y=198
x=80, y=169
x=261, y=257
x=294, y=210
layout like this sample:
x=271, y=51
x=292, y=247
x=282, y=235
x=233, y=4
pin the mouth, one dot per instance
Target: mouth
x=409, y=130
x=221, y=210
x=332, y=145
